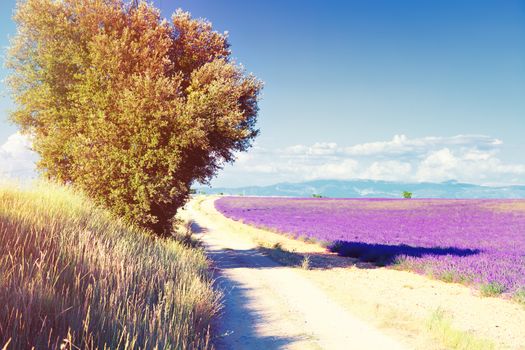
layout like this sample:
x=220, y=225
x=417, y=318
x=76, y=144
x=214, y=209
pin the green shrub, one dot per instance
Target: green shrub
x=491, y=289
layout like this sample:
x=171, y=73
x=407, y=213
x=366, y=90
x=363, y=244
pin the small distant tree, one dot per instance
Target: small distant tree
x=407, y=195
x=126, y=106
x=316, y=195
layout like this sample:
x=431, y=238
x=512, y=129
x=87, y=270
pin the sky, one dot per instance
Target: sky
x=420, y=90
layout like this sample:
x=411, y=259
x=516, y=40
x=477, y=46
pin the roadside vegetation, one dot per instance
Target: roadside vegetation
x=73, y=276
x=441, y=328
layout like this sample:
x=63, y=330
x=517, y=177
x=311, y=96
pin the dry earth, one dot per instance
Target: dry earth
x=339, y=303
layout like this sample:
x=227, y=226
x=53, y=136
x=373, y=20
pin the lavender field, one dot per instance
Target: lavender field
x=480, y=242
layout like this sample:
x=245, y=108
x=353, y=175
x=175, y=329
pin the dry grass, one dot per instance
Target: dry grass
x=397, y=204
x=442, y=329
x=72, y=276
x=517, y=205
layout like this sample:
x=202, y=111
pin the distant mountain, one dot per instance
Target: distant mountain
x=373, y=189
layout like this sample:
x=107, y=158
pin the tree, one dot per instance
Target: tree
x=407, y=195
x=126, y=106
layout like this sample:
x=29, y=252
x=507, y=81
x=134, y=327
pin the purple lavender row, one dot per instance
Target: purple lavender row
x=477, y=241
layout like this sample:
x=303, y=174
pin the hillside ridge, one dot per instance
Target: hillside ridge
x=373, y=189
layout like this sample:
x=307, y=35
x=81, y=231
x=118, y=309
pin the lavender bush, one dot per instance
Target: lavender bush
x=472, y=241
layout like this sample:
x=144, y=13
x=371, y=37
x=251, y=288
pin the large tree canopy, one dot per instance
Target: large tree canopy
x=130, y=108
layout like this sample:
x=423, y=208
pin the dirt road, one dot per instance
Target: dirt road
x=269, y=306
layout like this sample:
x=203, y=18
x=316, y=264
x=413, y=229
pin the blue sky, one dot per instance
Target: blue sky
x=446, y=76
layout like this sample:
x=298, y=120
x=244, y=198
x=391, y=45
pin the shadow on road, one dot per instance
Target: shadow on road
x=236, y=328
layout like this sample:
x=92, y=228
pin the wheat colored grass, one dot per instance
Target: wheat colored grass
x=74, y=277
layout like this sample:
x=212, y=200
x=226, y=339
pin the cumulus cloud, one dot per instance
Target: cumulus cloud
x=465, y=158
x=17, y=160
x=402, y=145
x=470, y=166
x=389, y=170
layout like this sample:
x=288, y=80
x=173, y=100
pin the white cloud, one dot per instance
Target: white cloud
x=401, y=144
x=390, y=170
x=465, y=158
x=475, y=166
x=17, y=160
x=438, y=166
x=333, y=170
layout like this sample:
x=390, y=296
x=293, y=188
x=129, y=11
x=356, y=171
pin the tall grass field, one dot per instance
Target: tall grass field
x=74, y=277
